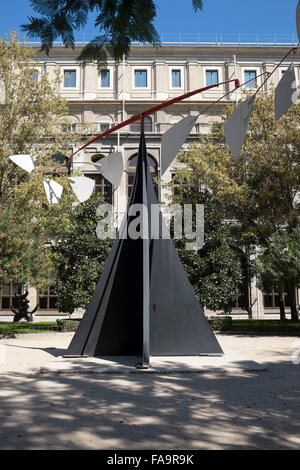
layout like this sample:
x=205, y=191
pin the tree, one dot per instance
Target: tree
x=33, y=119
x=214, y=271
x=80, y=258
x=259, y=191
x=24, y=258
x=280, y=264
x=119, y=22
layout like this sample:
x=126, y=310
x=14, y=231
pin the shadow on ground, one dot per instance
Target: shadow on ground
x=138, y=411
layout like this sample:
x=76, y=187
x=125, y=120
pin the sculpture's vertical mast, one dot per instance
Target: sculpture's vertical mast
x=146, y=259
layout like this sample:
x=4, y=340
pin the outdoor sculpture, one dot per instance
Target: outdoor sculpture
x=20, y=310
x=143, y=304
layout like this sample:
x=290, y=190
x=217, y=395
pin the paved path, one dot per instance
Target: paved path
x=215, y=410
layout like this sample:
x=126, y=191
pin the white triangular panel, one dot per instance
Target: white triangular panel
x=173, y=140
x=82, y=187
x=236, y=126
x=286, y=92
x=53, y=191
x=111, y=168
x=23, y=161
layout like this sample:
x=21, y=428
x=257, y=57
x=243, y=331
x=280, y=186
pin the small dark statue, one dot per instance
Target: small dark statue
x=20, y=310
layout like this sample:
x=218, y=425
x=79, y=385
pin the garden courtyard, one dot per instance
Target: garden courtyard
x=222, y=409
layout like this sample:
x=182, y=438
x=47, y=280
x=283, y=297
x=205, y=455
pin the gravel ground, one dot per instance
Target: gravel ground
x=225, y=410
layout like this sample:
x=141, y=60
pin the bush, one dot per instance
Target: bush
x=67, y=325
x=221, y=323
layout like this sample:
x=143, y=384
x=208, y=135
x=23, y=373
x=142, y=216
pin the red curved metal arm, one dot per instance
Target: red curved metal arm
x=158, y=107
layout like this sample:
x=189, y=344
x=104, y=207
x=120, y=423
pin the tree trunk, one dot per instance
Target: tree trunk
x=250, y=313
x=292, y=297
x=281, y=305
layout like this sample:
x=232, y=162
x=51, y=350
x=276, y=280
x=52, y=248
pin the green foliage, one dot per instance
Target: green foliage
x=24, y=258
x=221, y=323
x=119, y=22
x=258, y=193
x=280, y=261
x=260, y=190
x=30, y=112
x=80, y=258
x=279, y=264
x=67, y=325
x=214, y=271
x=8, y=329
x=265, y=326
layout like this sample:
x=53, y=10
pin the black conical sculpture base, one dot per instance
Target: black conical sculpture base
x=116, y=321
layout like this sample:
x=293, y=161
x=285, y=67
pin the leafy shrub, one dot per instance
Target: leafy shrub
x=67, y=325
x=221, y=323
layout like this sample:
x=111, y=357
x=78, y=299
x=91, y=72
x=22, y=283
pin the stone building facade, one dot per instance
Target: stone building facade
x=148, y=77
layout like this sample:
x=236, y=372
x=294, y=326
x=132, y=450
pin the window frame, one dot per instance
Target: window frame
x=148, y=125
x=38, y=71
x=258, y=79
x=104, y=183
x=48, y=297
x=212, y=68
x=141, y=68
x=172, y=69
x=109, y=69
x=106, y=123
x=11, y=294
x=274, y=295
x=72, y=68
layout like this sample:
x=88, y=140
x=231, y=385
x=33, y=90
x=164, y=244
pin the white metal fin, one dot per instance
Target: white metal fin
x=236, y=126
x=298, y=20
x=111, y=168
x=173, y=140
x=23, y=161
x=82, y=187
x=286, y=93
x=53, y=190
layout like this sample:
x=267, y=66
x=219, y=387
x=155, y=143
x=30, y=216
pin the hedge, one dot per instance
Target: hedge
x=68, y=325
x=221, y=323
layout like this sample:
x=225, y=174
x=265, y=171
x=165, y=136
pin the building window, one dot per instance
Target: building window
x=7, y=292
x=70, y=78
x=104, y=126
x=47, y=298
x=176, y=78
x=181, y=186
x=105, y=78
x=140, y=78
x=212, y=77
x=271, y=297
x=242, y=301
x=131, y=170
x=63, y=163
x=35, y=76
x=136, y=126
x=102, y=186
x=251, y=78
x=95, y=158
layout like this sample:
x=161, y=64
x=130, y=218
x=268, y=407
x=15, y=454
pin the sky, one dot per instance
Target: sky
x=228, y=18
